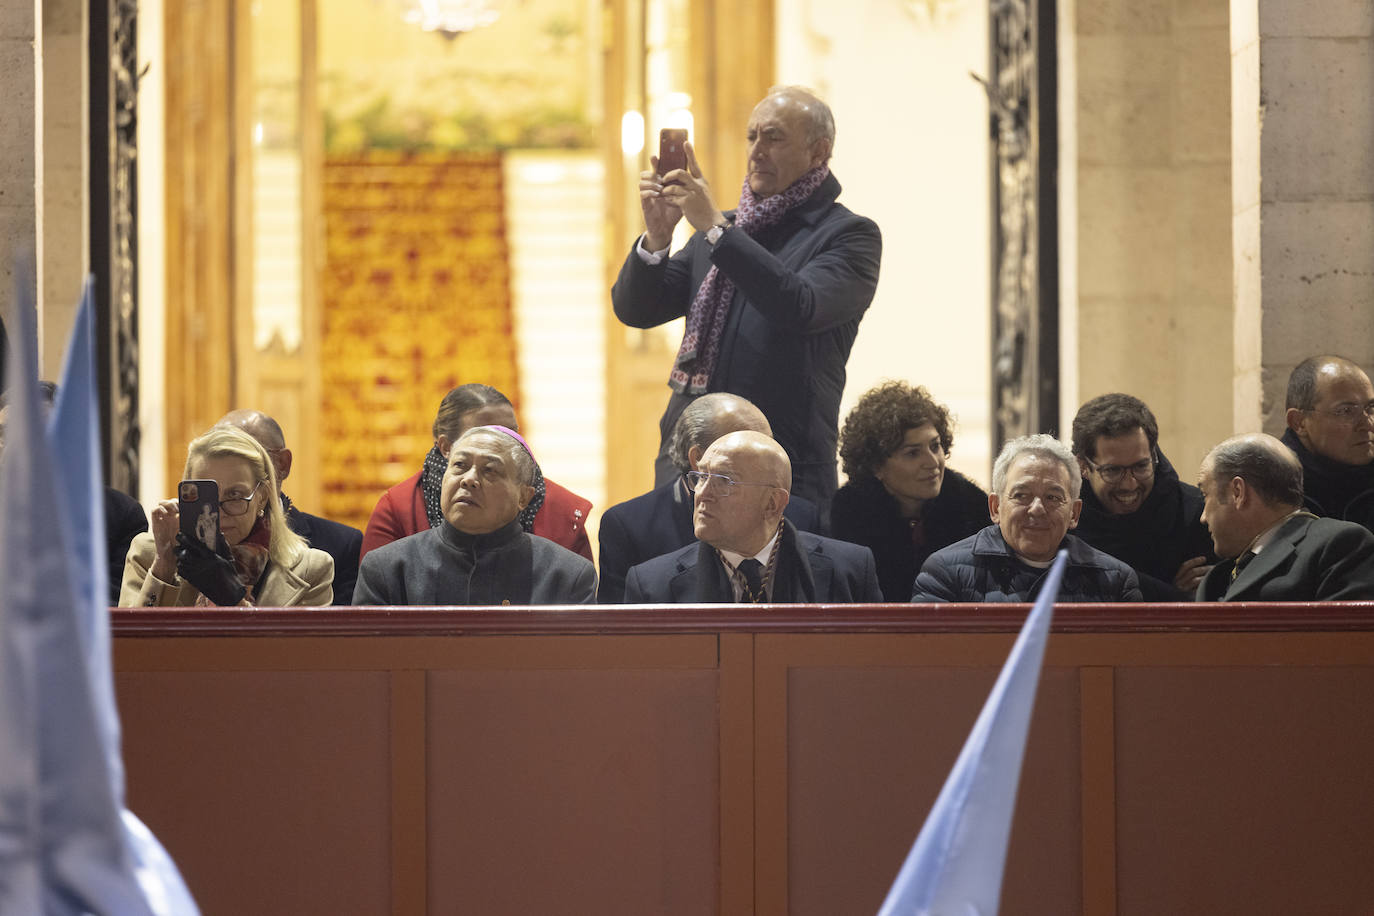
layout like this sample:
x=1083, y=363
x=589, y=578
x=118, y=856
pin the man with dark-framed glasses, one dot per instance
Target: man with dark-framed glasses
x=660, y=521
x=1135, y=507
x=1330, y=416
x=746, y=552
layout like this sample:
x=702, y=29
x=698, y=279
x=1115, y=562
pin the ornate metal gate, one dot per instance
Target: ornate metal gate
x=1025, y=306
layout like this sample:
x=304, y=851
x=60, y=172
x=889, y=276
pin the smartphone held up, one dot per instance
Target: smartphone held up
x=672, y=151
x=198, y=507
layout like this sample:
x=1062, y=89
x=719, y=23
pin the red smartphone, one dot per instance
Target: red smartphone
x=671, y=152
x=198, y=511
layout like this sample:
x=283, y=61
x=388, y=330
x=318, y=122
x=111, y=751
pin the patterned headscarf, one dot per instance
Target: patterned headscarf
x=432, y=479
x=696, y=358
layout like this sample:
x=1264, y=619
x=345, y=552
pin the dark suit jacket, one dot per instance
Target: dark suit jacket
x=660, y=522
x=801, y=287
x=124, y=518
x=841, y=573
x=1309, y=559
x=341, y=542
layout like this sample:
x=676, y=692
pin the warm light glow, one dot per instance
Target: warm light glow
x=682, y=117
x=451, y=18
x=676, y=100
x=632, y=133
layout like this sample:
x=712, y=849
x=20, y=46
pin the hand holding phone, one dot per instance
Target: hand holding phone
x=672, y=150
x=198, y=509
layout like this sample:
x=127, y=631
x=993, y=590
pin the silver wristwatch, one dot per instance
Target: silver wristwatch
x=715, y=232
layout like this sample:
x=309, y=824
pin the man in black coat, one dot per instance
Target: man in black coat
x=342, y=542
x=746, y=551
x=1135, y=507
x=1273, y=549
x=1034, y=502
x=660, y=521
x=124, y=520
x=479, y=554
x=773, y=292
x=1330, y=416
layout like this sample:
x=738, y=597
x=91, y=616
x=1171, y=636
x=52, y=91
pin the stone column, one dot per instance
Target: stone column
x=43, y=153
x=65, y=211
x=1302, y=194
x=21, y=50
x=1150, y=169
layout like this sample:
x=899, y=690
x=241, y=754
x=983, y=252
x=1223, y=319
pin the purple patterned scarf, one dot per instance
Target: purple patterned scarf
x=696, y=358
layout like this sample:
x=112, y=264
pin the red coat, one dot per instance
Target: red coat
x=401, y=512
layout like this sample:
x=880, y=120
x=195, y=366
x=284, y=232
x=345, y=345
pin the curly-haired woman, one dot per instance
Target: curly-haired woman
x=901, y=501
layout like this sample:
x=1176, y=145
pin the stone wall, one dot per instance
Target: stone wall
x=1303, y=206
x=1152, y=225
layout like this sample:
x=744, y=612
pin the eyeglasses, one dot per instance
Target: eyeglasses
x=698, y=480
x=1115, y=473
x=238, y=505
x=1051, y=501
x=1348, y=414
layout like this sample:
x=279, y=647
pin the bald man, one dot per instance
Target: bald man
x=773, y=291
x=746, y=552
x=660, y=521
x=1330, y=416
x=1271, y=548
x=341, y=542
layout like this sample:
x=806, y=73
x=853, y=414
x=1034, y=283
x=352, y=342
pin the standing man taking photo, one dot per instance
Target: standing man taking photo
x=773, y=291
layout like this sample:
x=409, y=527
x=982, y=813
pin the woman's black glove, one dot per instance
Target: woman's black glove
x=211, y=574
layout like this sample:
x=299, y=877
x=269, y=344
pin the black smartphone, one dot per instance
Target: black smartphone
x=198, y=508
x=672, y=154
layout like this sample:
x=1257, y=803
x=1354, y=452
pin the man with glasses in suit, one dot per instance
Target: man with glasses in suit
x=1135, y=507
x=660, y=521
x=745, y=551
x=1330, y=415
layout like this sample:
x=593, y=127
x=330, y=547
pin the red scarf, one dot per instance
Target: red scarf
x=696, y=358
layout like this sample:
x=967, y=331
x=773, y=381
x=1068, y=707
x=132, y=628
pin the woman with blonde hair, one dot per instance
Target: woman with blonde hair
x=267, y=563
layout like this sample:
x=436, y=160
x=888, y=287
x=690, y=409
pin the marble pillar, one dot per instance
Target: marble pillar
x=1302, y=194
x=21, y=50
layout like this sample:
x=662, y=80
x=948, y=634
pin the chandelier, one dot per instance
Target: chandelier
x=450, y=18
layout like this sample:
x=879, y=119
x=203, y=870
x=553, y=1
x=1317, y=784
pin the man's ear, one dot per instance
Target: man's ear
x=526, y=494
x=820, y=152
x=1083, y=468
x=1073, y=516
x=694, y=457
x=1296, y=420
x=993, y=503
x=1238, y=491
x=282, y=459
x=780, y=498
x=443, y=443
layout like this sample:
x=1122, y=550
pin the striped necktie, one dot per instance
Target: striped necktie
x=1241, y=562
x=752, y=571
